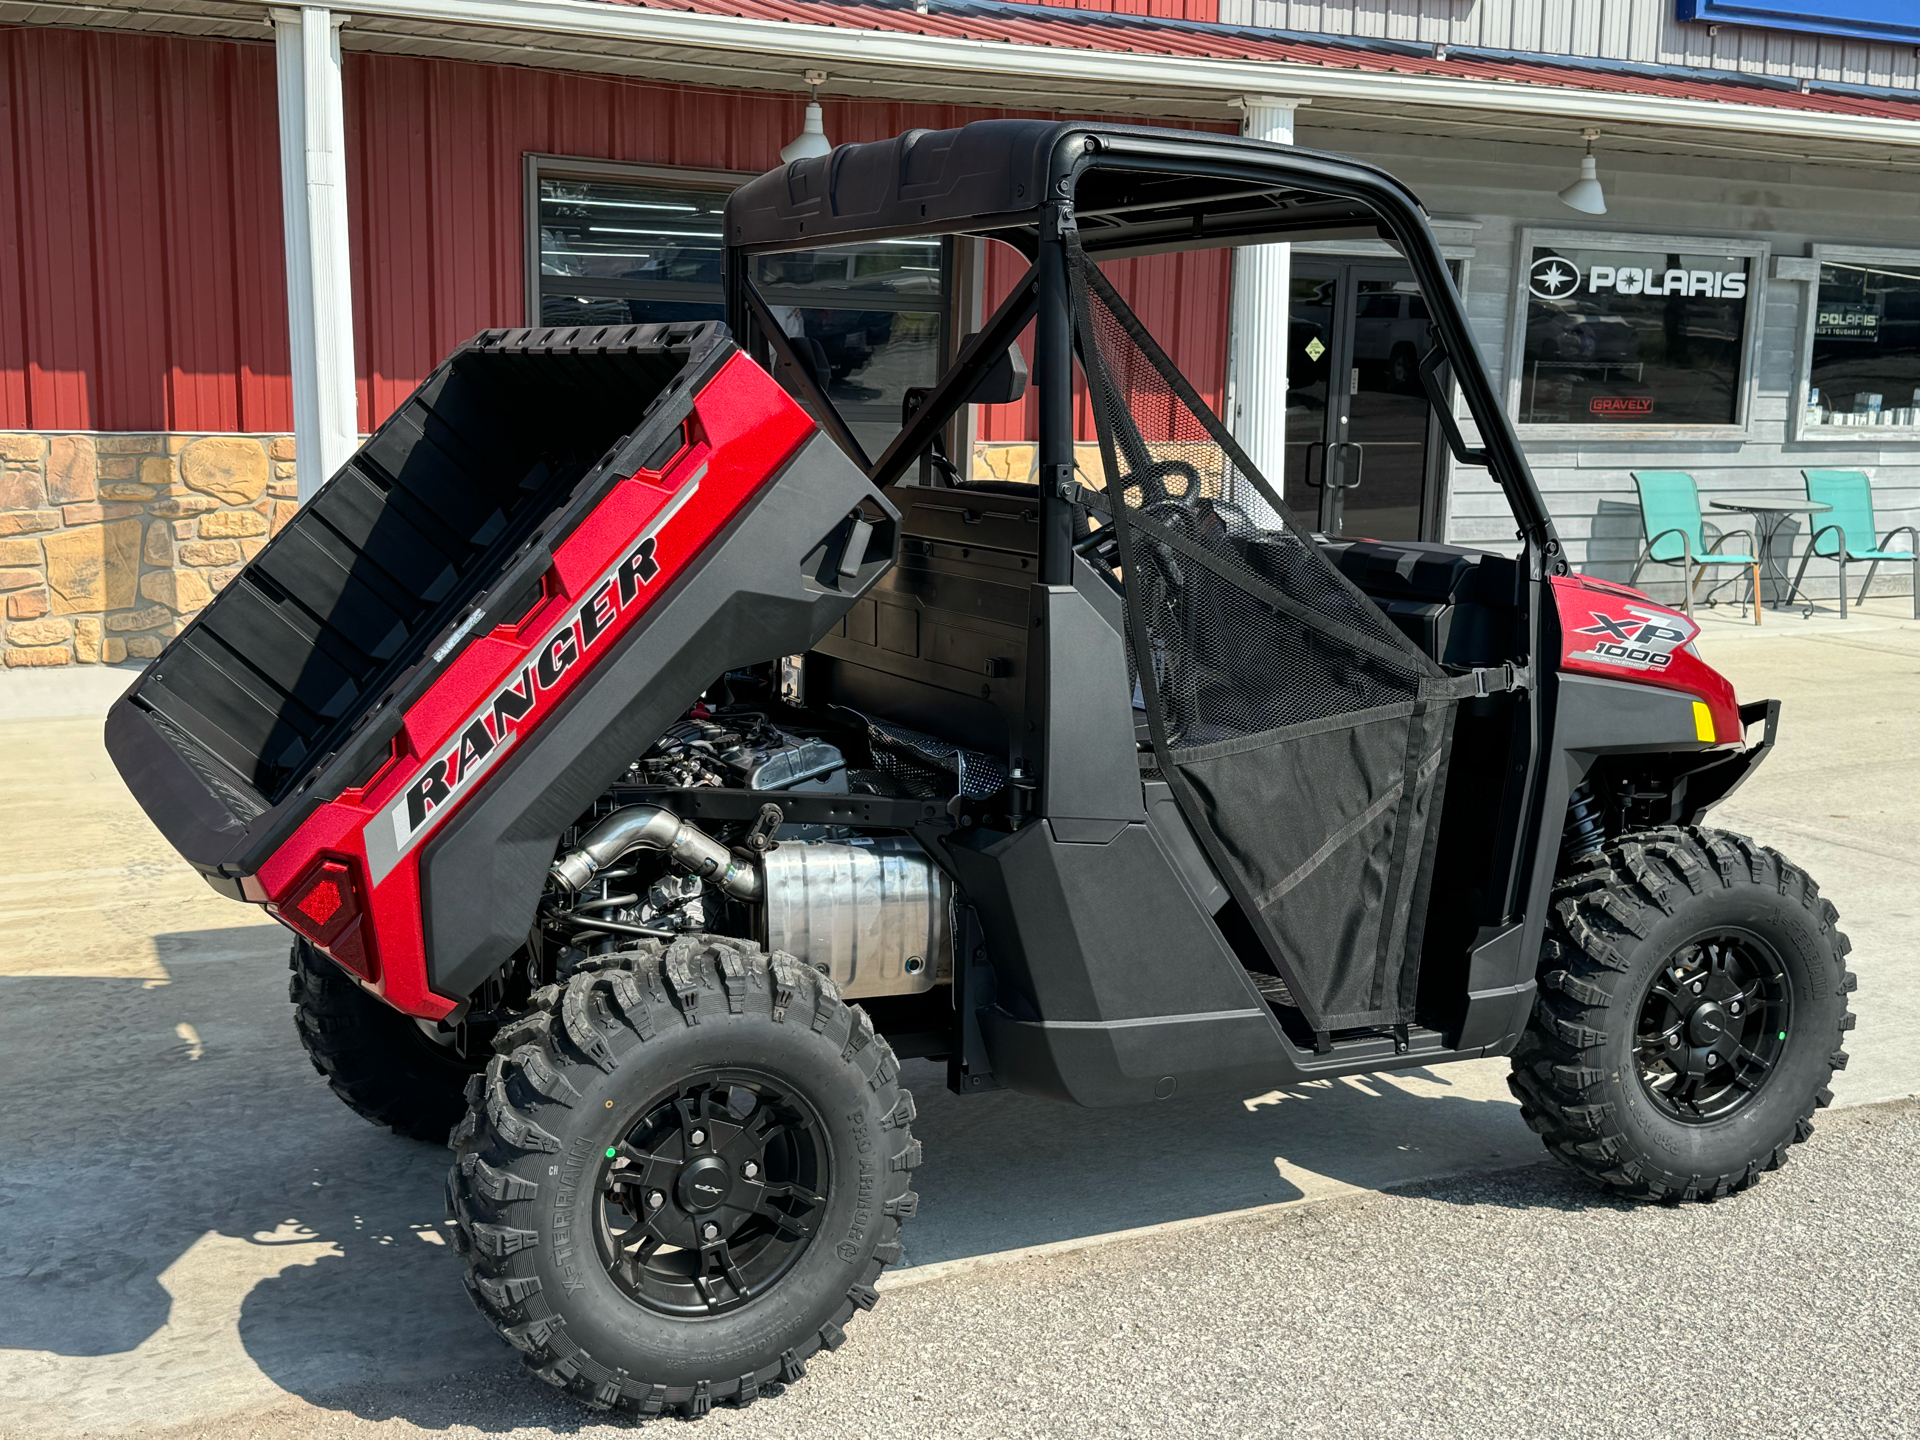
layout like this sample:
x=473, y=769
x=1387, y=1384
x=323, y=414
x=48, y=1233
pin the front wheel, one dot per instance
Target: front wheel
x=681, y=1175
x=1693, y=998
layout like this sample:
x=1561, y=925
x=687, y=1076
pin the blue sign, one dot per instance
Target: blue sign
x=1890, y=20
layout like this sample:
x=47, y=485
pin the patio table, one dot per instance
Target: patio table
x=1771, y=513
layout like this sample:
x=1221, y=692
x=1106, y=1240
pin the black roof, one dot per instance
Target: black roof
x=1135, y=188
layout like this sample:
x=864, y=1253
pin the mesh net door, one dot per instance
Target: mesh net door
x=1304, y=736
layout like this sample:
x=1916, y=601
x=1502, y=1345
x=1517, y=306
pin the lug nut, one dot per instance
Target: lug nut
x=749, y=1170
x=656, y=1200
x=1673, y=1042
x=1713, y=1060
x=1696, y=988
x=699, y=1138
x=1734, y=1008
x=710, y=1230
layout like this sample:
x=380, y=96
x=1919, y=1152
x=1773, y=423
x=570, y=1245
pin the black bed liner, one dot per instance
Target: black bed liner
x=294, y=680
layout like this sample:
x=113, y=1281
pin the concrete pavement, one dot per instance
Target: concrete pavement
x=201, y=1237
x=1518, y=1303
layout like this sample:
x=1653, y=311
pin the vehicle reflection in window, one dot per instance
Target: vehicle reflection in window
x=867, y=319
x=1388, y=414
x=619, y=252
x=1619, y=337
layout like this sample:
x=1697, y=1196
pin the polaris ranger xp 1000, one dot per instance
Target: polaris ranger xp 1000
x=645, y=769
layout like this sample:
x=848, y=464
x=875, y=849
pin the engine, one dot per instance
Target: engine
x=870, y=911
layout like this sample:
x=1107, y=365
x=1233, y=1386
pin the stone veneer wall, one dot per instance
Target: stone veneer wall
x=110, y=543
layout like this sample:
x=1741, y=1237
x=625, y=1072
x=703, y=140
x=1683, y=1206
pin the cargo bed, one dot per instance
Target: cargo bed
x=293, y=682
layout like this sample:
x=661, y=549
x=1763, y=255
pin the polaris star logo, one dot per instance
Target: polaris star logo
x=1643, y=640
x=1553, y=278
x=515, y=707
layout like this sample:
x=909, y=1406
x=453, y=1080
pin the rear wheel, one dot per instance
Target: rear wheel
x=376, y=1060
x=682, y=1175
x=1693, y=998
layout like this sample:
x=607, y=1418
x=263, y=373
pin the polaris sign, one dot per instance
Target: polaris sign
x=1556, y=279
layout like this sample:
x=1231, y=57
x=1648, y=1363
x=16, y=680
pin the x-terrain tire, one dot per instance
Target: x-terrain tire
x=646, y=1079
x=375, y=1058
x=1634, y=944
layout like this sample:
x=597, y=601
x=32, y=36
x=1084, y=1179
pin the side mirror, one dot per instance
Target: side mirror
x=1005, y=382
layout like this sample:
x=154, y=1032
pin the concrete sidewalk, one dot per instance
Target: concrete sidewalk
x=200, y=1232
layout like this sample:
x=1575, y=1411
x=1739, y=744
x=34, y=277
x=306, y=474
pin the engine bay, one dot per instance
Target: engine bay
x=864, y=905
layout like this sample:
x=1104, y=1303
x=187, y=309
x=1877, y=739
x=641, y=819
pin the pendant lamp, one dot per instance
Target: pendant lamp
x=812, y=139
x=1584, y=194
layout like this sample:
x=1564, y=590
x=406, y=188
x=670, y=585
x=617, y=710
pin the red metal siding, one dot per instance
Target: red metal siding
x=140, y=240
x=142, y=282
x=438, y=247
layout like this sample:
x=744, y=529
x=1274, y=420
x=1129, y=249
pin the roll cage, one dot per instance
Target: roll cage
x=1127, y=191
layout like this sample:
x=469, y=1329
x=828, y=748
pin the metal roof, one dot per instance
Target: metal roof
x=1059, y=27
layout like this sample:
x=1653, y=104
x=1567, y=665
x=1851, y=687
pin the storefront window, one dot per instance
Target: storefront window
x=1648, y=337
x=618, y=245
x=616, y=252
x=1864, y=365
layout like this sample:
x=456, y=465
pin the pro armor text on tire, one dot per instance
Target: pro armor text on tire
x=376, y=1059
x=1693, y=1000
x=681, y=1174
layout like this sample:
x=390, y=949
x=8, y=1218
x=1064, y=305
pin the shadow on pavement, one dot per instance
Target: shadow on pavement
x=183, y=1191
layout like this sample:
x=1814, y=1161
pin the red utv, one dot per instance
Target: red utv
x=644, y=770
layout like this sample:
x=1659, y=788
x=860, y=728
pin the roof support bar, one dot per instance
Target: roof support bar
x=1054, y=370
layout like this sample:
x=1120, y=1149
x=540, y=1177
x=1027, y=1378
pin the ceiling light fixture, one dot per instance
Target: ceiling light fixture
x=1584, y=194
x=812, y=139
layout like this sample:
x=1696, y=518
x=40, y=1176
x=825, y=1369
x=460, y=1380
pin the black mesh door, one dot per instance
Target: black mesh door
x=1304, y=736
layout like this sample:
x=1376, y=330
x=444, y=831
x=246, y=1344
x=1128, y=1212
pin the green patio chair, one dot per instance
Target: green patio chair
x=1671, y=520
x=1845, y=532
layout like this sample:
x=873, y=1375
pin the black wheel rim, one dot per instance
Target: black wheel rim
x=1712, y=1027
x=712, y=1193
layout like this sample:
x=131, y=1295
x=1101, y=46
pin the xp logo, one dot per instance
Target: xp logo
x=1552, y=278
x=1642, y=640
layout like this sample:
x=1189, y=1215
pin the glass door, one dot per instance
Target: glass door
x=1362, y=457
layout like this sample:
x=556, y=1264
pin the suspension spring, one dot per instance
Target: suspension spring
x=1585, y=832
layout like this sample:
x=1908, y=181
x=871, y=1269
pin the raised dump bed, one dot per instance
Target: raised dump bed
x=295, y=679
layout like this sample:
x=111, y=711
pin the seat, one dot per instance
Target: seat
x=1845, y=532
x=1671, y=522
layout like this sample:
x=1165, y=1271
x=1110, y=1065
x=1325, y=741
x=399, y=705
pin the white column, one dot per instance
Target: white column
x=313, y=205
x=1257, y=329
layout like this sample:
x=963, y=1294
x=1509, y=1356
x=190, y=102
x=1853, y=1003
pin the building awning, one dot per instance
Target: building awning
x=1052, y=59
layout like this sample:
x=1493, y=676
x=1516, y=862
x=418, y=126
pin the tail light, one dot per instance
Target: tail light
x=326, y=906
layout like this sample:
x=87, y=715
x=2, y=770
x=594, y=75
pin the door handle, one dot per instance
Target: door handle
x=1349, y=453
x=1307, y=464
